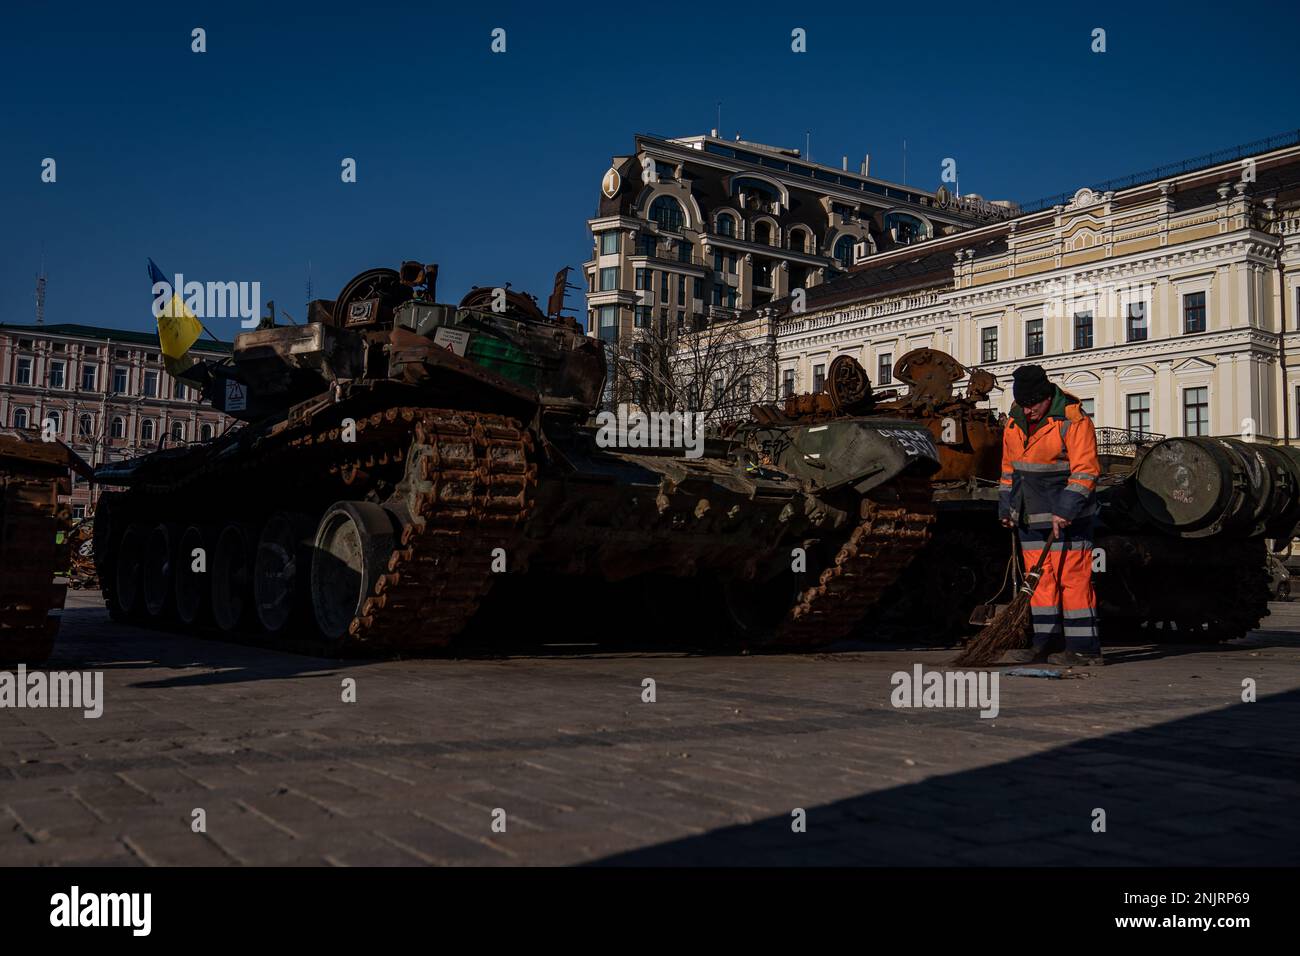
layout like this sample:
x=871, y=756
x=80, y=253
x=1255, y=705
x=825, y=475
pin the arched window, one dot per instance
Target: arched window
x=844, y=250
x=119, y=427
x=85, y=426
x=799, y=240
x=20, y=418
x=726, y=224
x=178, y=431
x=763, y=233
x=905, y=229
x=55, y=417
x=147, y=430
x=205, y=431
x=667, y=211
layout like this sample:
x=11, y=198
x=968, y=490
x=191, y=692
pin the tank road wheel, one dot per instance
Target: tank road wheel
x=128, y=585
x=353, y=544
x=159, y=565
x=281, y=571
x=191, y=585
x=754, y=610
x=232, y=573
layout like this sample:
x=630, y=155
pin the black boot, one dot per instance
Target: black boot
x=1026, y=655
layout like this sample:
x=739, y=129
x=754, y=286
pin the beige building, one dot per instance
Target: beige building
x=1168, y=306
x=695, y=230
x=102, y=391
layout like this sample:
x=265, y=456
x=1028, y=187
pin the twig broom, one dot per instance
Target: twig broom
x=1007, y=630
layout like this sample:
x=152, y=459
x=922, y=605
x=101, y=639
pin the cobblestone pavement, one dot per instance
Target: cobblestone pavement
x=710, y=773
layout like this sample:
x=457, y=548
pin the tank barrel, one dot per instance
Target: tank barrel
x=1201, y=487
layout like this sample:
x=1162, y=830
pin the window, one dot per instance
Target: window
x=798, y=240
x=78, y=512
x=717, y=389
x=885, y=368
x=59, y=346
x=1194, y=315
x=667, y=212
x=1136, y=323
x=1196, y=411
x=151, y=383
x=645, y=244
x=57, y=374
x=608, y=281
x=23, y=372
x=118, y=429
x=683, y=252
x=643, y=279
x=179, y=390
x=743, y=388
x=89, y=377
x=121, y=353
x=989, y=344
x=681, y=319
x=726, y=225
x=762, y=233
x=1139, y=413
x=1089, y=406
x=663, y=287
x=54, y=419
x=608, y=243
x=119, y=381
x=85, y=426
x=699, y=289
x=205, y=431
x=787, y=382
x=1083, y=330
x=819, y=377
x=608, y=316
x=724, y=261
x=844, y=250
x=642, y=317
x=1034, y=337
x=681, y=290
x=147, y=430
x=178, y=431
x=20, y=418
x=905, y=229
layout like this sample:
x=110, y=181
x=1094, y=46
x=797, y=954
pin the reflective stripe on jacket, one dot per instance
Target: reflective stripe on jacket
x=1051, y=469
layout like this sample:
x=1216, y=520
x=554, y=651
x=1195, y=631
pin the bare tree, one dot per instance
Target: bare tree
x=720, y=368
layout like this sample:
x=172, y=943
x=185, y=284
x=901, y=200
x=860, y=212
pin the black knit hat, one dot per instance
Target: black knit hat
x=1030, y=385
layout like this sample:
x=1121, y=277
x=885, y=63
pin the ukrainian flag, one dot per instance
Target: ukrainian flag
x=178, y=328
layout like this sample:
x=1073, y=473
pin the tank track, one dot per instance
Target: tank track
x=886, y=541
x=31, y=596
x=467, y=490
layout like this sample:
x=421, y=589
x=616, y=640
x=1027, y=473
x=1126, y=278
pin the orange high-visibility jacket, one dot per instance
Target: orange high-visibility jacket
x=1054, y=469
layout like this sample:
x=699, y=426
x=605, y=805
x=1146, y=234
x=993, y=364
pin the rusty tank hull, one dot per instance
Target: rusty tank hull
x=1180, y=537
x=33, y=542
x=399, y=458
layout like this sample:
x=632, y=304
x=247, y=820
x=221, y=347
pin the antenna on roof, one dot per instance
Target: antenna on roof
x=308, y=280
x=807, y=145
x=40, y=292
x=718, y=131
x=904, y=162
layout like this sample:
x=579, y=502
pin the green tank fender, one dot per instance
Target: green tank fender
x=861, y=453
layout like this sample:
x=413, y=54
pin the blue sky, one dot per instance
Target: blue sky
x=225, y=165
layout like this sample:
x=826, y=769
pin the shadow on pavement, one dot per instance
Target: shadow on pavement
x=1213, y=789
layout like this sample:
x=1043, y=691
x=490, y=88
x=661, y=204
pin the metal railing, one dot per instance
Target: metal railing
x=1124, y=441
x=1205, y=161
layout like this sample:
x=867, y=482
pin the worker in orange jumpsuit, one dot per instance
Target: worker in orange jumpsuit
x=1049, y=485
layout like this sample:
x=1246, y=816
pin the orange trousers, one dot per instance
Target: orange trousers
x=1063, y=604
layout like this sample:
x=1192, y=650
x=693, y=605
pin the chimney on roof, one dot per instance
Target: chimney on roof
x=737, y=137
x=866, y=165
x=844, y=164
x=713, y=133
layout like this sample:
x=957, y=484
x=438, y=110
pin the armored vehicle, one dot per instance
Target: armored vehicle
x=395, y=457
x=33, y=542
x=1181, y=535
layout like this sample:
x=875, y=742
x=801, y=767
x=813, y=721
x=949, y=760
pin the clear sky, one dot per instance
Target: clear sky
x=226, y=165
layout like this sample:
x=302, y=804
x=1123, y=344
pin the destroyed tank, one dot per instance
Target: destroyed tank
x=34, y=526
x=1181, y=533
x=396, y=459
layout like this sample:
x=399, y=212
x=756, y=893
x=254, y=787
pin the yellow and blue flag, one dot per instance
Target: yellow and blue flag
x=178, y=327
